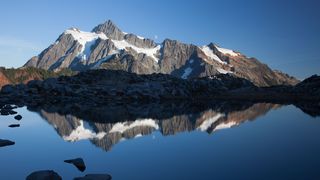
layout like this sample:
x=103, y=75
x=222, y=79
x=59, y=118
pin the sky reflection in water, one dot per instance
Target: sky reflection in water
x=266, y=141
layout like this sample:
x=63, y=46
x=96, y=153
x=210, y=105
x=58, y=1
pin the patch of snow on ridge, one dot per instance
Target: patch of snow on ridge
x=81, y=133
x=186, y=73
x=140, y=37
x=121, y=127
x=208, y=122
x=222, y=71
x=208, y=52
x=86, y=39
x=148, y=51
x=226, y=51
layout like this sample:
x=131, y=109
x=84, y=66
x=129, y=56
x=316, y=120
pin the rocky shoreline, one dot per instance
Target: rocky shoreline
x=98, y=87
x=123, y=96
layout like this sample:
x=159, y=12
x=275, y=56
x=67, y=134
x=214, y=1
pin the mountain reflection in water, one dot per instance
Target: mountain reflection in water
x=113, y=124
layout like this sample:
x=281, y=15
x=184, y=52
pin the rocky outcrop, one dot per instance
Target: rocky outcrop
x=140, y=41
x=310, y=86
x=110, y=30
x=102, y=86
x=108, y=47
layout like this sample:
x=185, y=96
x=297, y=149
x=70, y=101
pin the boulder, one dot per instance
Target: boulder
x=95, y=177
x=44, y=175
x=78, y=163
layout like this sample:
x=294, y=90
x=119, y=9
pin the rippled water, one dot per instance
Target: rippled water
x=260, y=141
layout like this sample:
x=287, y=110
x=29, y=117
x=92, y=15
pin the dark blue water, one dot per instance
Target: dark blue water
x=263, y=141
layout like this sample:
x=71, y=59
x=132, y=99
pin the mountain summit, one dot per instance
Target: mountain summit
x=107, y=47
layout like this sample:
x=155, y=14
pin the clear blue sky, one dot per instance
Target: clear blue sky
x=285, y=34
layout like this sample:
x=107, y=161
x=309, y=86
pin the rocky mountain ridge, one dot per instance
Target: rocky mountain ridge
x=107, y=47
x=24, y=75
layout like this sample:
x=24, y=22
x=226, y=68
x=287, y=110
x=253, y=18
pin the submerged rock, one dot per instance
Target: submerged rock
x=4, y=142
x=95, y=177
x=78, y=163
x=44, y=175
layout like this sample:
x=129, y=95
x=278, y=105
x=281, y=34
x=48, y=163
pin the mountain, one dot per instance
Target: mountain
x=107, y=47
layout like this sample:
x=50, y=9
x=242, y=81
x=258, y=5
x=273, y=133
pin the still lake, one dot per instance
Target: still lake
x=260, y=141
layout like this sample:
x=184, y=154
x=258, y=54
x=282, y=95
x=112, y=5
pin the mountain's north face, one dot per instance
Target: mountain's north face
x=107, y=47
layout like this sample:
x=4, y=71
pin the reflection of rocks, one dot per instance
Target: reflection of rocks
x=4, y=142
x=14, y=125
x=18, y=117
x=44, y=175
x=95, y=177
x=78, y=163
x=311, y=109
x=106, y=134
x=6, y=110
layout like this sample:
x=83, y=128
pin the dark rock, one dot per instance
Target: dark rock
x=34, y=83
x=44, y=175
x=95, y=177
x=8, y=107
x=78, y=162
x=14, y=125
x=4, y=142
x=21, y=86
x=7, y=89
x=18, y=117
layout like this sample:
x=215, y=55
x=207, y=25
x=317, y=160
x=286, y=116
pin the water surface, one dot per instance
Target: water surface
x=259, y=141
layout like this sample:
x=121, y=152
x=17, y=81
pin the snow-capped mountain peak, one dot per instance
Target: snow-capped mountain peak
x=79, y=50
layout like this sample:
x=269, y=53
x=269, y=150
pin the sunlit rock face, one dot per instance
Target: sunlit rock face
x=107, y=47
x=106, y=134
